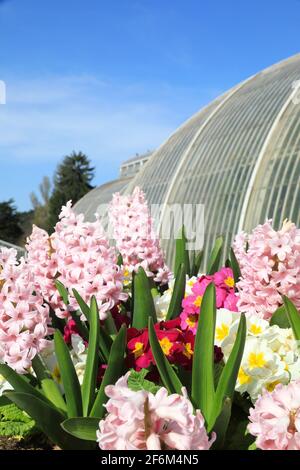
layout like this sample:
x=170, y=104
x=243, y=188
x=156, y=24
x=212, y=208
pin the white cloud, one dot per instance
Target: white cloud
x=45, y=119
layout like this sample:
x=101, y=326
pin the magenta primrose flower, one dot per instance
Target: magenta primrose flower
x=225, y=297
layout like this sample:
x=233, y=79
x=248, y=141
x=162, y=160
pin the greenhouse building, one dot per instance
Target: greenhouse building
x=239, y=157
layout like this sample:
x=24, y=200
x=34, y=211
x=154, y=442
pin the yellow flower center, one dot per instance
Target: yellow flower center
x=56, y=374
x=270, y=386
x=229, y=281
x=192, y=320
x=138, y=349
x=255, y=329
x=198, y=301
x=222, y=331
x=188, y=352
x=256, y=360
x=243, y=378
x=166, y=345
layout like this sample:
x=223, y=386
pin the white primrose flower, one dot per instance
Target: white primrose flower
x=79, y=356
x=256, y=326
x=227, y=323
x=260, y=369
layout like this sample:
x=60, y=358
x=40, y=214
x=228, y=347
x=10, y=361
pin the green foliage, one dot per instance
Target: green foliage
x=82, y=428
x=137, y=382
x=280, y=318
x=167, y=374
x=178, y=293
x=45, y=403
x=114, y=370
x=215, y=257
x=228, y=377
x=48, y=418
x=293, y=316
x=203, y=389
x=72, y=180
x=182, y=254
x=197, y=260
x=10, y=222
x=48, y=385
x=69, y=376
x=221, y=424
x=143, y=304
x=91, y=367
x=14, y=422
x=237, y=437
x=235, y=266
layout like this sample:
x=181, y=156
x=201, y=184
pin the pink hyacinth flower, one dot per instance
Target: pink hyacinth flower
x=275, y=418
x=141, y=420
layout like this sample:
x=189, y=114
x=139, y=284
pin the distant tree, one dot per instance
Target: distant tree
x=72, y=180
x=26, y=221
x=41, y=208
x=10, y=224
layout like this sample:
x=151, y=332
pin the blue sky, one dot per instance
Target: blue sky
x=112, y=78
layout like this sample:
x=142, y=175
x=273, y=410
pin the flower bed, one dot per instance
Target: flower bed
x=105, y=347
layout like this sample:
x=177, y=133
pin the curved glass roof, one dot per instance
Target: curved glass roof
x=89, y=204
x=239, y=157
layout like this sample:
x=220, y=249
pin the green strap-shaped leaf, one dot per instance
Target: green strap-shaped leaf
x=83, y=306
x=68, y=375
x=235, y=266
x=56, y=323
x=114, y=370
x=80, y=326
x=280, y=318
x=293, y=316
x=143, y=304
x=203, y=390
x=167, y=374
x=62, y=291
x=91, y=369
x=181, y=254
x=20, y=384
x=105, y=342
x=214, y=259
x=175, y=307
x=49, y=386
x=48, y=420
x=227, y=381
x=221, y=424
x=197, y=263
x=110, y=326
x=82, y=428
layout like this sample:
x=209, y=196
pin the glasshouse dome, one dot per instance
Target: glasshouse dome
x=239, y=157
